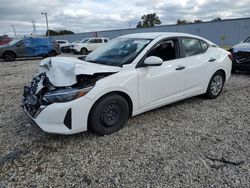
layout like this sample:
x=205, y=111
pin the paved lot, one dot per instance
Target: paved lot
x=192, y=143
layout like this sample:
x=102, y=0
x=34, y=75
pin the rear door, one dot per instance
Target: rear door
x=94, y=44
x=199, y=62
x=23, y=48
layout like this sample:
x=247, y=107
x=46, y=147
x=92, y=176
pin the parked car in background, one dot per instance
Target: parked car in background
x=130, y=75
x=64, y=45
x=29, y=47
x=5, y=39
x=241, y=56
x=88, y=45
x=72, y=44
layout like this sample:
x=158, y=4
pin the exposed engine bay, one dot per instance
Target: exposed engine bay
x=40, y=92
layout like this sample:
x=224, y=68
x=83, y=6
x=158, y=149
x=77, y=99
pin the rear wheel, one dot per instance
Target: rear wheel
x=109, y=115
x=215, y=85
x=9, y=56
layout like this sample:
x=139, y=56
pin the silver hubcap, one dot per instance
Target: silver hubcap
x=216, y=85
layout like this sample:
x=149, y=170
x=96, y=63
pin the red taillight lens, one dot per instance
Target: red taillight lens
x=230, y=56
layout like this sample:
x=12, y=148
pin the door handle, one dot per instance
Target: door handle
x=212, y=59
x=180, y=67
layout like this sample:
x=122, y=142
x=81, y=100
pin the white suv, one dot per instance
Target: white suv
x=89, y=45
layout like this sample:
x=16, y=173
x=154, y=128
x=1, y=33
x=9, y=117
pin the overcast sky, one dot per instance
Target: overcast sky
x=93, y=15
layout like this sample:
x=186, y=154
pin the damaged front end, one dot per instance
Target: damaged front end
x=61, y=80
x=40, y=92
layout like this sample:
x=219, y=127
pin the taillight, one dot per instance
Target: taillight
x=230, y=56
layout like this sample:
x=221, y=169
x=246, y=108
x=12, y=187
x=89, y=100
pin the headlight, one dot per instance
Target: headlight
x=65, y=95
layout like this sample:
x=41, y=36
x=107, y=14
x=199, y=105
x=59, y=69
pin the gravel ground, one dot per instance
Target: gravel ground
x=192, y=143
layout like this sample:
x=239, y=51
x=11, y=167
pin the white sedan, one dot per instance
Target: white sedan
x=130, y=75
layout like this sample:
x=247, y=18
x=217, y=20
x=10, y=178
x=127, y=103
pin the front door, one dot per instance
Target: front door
x=164, y=83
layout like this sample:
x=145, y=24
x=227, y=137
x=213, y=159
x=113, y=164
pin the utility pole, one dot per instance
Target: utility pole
x=14, y=30
x=34, y=27
x=45, y=13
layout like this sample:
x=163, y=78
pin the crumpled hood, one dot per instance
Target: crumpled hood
x=62, y=71
x=244, y=47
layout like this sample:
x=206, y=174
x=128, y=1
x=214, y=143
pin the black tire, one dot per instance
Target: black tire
x=9, y=56
x=108, y=115
x=214, y=88
x=84, y=51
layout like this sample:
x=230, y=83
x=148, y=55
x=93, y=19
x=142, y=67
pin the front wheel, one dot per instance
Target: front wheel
x=215, y=85
x=9, y=56
x=108, y=115
x=84, y=51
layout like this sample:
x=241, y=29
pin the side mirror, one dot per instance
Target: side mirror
x=153, y=61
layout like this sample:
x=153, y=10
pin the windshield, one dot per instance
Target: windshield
x=14, y=41
x=85, y=40
x=118, y=52
x=247, y=40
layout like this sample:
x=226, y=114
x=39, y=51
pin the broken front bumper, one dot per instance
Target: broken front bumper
x=61, y=118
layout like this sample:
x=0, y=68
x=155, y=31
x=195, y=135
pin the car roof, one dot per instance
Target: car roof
x=153, y=35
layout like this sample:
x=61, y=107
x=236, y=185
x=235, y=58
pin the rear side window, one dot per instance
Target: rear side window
x=192, y=46
x=204, y=46
x=95, y=41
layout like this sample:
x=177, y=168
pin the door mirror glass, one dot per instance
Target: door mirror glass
x=153, y=61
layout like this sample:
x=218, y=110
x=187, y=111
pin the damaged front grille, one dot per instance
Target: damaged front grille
x=36, y=98
x=33, y=92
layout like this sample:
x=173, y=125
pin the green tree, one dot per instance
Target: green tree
x=61, y=32
x=198, y=21
x=149, y=20
x=178, y=22
x=216, y=19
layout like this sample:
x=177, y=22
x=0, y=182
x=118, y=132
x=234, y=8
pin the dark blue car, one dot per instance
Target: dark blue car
x=29, y=47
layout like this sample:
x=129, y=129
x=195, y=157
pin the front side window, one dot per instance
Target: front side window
x=118, y=52
x=166, y=50
x=15, y=41
x=193, y=46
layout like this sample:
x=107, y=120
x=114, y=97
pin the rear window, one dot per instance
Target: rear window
x=204, y=46
x=192, y=46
